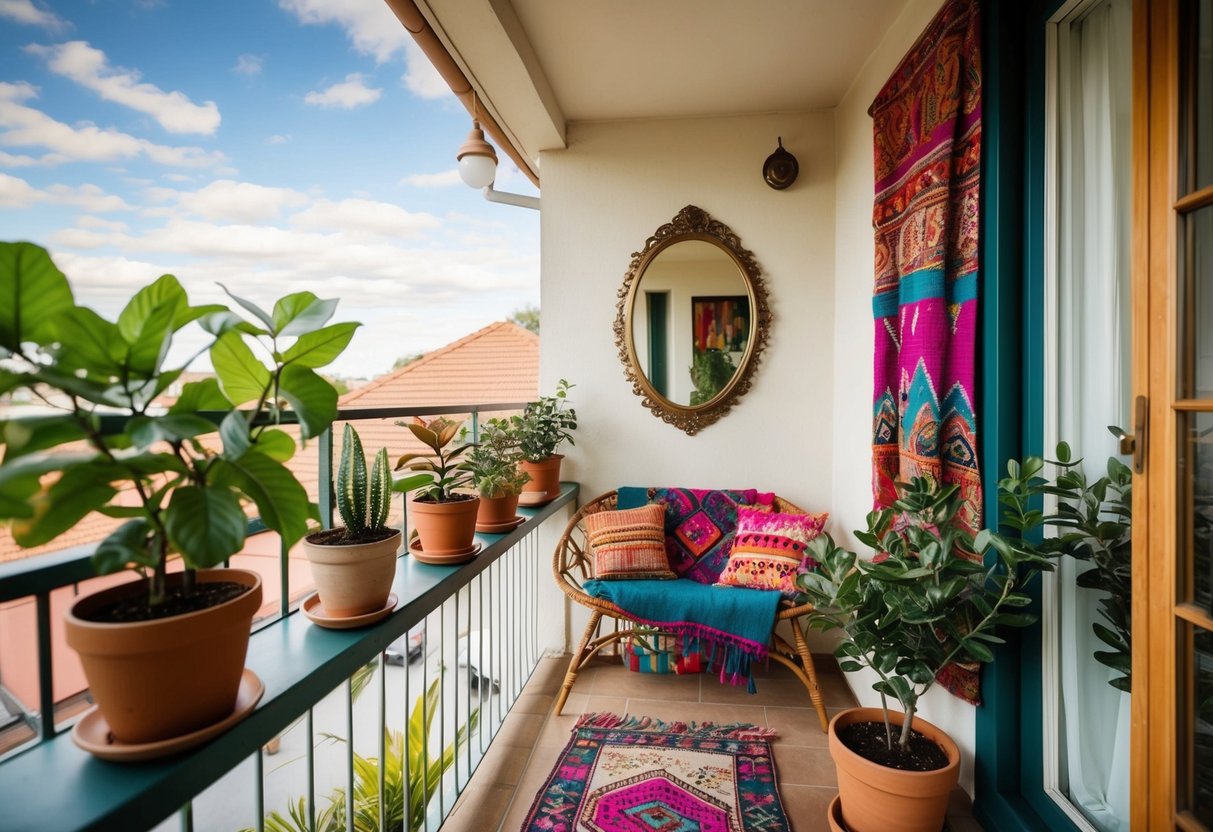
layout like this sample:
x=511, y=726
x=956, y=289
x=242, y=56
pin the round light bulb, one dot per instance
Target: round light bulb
x=477, y=171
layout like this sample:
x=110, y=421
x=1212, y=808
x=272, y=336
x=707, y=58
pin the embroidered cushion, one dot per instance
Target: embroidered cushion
x=629, y=543
x=699, y=525
x=769, y=549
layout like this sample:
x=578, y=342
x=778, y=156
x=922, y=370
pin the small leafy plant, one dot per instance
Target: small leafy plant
x=545, y=424
x=493, y=462
x=925, y=600
x=444, y=473
x=110, y=448
x=711, y=370
x=1095, y=521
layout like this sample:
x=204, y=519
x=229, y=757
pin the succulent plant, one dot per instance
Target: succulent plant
x=362, y=501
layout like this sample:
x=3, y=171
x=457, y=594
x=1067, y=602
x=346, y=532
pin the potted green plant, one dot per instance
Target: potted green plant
x=924, y=601
x=444, y=516
x=545, y=424
x=353, y=565
x=164, y=656
x=711, y=371
x=493, y=465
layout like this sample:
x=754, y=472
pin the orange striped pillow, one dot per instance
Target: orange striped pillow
x=629, y=544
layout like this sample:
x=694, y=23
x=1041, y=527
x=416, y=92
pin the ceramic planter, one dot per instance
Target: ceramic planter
x=353, y=579
x=445, y=528
x=156, y=680
x=877, y=798
x=497, y=511
x=545, y=480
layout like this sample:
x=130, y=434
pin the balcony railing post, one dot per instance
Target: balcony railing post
x=324, y=494
x=46, y=673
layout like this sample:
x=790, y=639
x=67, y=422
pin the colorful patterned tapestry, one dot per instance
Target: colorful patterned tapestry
x=635, y=773
x=927, y=122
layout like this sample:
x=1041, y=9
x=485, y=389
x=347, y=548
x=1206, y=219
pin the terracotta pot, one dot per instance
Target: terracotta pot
x=545, y=479
x=353, y=579
x=497, y=511
x=156, y=680
x=876, y=798
x=445, y=528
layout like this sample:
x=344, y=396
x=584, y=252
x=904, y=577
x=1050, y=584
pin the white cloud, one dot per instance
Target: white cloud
x=90, y=68
x=21, y=160
x=249, y=64
x=277, y=138
x=347, y=94
x=17, y=193
x=433, y=180
x=100, y=224
x=420, y=76
x=362, y=217
x=370, y=24
x=24, y=11
x=176, y=177
x=226, y=200
x=24, y=126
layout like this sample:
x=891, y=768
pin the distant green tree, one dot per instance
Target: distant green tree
x=407, y=359
x=339, y=384
x=526, y=317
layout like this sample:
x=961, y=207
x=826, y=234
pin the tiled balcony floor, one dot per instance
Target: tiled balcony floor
x=531, y=739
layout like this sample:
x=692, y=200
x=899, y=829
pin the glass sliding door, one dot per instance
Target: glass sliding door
x=1088, y=360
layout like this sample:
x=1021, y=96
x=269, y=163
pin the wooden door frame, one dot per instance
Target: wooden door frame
x=1153, y=707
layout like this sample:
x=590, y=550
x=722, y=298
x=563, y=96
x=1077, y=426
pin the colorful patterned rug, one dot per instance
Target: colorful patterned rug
x=636, y=774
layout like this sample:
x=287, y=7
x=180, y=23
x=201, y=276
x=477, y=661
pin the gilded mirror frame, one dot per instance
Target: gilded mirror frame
x=692, y=223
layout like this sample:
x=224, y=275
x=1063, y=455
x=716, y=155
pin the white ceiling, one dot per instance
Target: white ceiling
x=540, y=64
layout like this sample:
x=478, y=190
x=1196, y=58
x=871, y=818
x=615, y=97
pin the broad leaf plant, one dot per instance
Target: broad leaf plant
x=178, y=477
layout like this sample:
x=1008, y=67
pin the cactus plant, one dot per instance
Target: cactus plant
x=363, y=509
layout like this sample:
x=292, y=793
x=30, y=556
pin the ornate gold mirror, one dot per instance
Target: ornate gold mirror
x=692, y=320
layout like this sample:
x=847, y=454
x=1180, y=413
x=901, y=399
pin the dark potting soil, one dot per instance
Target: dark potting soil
x=135, y=607
x=341, y=537
x=454, y=498
x=869, y=740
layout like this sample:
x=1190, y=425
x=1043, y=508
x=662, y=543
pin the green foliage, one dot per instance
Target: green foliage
x=493, y=462
x=711, y=370
x=188, y=496
x=545, y=424
x=924, y=601
x=1095, y=524
x=405, y=360
x=527, y=317
x=443, y=471
x=363, y=502
x=425, y=773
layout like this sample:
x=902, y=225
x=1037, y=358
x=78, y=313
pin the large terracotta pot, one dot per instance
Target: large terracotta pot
x=156, y=680
x=545, y=480
x=445, y=528
x=497, y=511
x=353, y=579
x=876, y=798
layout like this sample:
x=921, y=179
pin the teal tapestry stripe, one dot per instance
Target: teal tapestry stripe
x=928, y=283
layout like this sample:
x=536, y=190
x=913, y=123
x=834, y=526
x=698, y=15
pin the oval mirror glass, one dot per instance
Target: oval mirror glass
x=692, y=320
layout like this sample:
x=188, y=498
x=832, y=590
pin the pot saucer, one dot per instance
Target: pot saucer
x=315, y=613
x=446, y=559
x=500, y=528
x=531, y=499
x=834, y=815
x=92, y=732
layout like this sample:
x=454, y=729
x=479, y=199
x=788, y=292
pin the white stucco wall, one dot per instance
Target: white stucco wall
x=853, y=274
x=602, y=198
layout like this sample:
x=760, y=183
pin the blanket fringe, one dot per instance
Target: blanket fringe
x=701, y=730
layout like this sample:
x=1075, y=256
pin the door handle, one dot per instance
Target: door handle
x=1135, y=443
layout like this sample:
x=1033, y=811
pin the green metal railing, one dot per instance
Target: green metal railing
x=494, y=596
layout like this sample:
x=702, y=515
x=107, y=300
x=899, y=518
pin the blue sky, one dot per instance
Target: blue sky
x=271, y=145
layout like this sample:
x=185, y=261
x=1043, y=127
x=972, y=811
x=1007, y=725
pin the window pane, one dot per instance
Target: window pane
x=1202, y=85
x=1196, y=312
x=1196, y=478
x=1196, y=760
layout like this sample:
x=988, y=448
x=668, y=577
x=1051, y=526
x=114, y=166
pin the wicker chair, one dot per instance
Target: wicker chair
x=573, y=564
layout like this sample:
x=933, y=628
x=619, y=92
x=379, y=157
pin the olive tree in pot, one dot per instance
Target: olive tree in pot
x=493, y=466
x=545, y=424
x=444, y=517
x=354, y=564
x=164, y=655
x=925, y=601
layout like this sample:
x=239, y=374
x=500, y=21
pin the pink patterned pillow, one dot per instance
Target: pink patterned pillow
x=629, y=544
x=769, y=549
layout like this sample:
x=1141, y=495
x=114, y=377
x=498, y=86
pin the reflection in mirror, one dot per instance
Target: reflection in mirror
x=692, y=320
